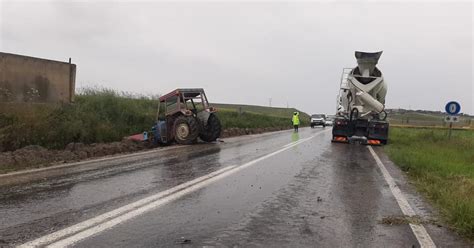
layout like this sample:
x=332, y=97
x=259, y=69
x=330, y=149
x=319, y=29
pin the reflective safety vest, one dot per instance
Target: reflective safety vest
x=296, y=120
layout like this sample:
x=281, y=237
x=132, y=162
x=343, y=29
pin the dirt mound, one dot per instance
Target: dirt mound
x=37, y=156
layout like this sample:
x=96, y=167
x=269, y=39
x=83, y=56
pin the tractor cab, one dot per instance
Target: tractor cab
x=184, y=115
x=185, y=101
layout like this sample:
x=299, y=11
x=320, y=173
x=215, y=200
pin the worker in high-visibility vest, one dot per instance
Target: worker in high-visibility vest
x=296, y=121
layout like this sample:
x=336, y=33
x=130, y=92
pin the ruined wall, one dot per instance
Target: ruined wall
x=29, y=79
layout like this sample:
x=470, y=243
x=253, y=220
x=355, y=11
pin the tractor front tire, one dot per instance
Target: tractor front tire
x=186, y=130
x=212, y=130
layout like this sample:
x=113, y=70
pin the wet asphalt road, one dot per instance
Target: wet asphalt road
x=312, y=194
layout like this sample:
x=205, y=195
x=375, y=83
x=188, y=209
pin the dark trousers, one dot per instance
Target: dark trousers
x=296, y=128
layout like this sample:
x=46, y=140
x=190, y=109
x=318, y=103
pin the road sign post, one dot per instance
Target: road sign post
x=450, y=128
x=451, y=119
x=452, y=109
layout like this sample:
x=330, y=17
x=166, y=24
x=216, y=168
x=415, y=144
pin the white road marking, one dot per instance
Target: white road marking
x=419, y=230
x=109, y=215
x=88, y=228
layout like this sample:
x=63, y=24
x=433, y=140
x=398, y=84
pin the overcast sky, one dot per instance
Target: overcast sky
x=249, y=52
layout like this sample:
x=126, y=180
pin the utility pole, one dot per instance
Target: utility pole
x=270, y=102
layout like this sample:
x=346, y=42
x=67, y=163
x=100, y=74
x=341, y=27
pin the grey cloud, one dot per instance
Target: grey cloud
x=249, y=52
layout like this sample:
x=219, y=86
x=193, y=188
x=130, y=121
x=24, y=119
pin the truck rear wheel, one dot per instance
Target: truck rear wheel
x=212, y=130
x=186, y=130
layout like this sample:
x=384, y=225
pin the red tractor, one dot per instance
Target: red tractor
x=187, y=116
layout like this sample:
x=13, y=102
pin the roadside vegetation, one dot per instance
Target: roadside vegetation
x=248, y=116
x=104, y=115
x=413, y=118
x=441, y=168
x=269, y=111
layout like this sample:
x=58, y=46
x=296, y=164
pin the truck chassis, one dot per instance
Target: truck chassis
x=373, y=132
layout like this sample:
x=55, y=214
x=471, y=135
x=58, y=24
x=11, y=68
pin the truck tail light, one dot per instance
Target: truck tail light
x=373, y=142
x=340, y=139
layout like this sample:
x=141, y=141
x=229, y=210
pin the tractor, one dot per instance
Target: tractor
x=183, y=116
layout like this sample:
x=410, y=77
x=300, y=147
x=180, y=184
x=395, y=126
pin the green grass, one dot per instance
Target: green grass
x=270, y=111
x=257, y=116
x=441, y=168
x=414, y=118
x=417, y=116
x=232, y=119
x=103, y=115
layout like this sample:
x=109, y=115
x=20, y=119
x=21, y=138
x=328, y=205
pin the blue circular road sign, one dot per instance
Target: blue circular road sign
x=453, y=108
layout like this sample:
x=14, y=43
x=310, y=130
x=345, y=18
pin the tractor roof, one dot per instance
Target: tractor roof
x=190, y=92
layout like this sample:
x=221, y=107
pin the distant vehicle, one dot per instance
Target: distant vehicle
x=318, y=120
x=329, y=120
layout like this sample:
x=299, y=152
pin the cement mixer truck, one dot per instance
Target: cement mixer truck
x=360, y=115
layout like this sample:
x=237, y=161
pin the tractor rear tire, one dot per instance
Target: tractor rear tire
x=186, y=130
x=212, y=130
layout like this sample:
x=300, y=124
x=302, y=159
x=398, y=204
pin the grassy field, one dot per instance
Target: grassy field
x=269, y=111
x=441, y=168
x=416, y=118
x=231, y=118
x=249, y=116
x=105, y=116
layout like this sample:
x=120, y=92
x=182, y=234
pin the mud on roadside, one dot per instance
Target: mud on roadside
x=34, y=156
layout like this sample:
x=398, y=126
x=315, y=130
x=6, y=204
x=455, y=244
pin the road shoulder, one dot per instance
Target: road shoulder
x=435, y=226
